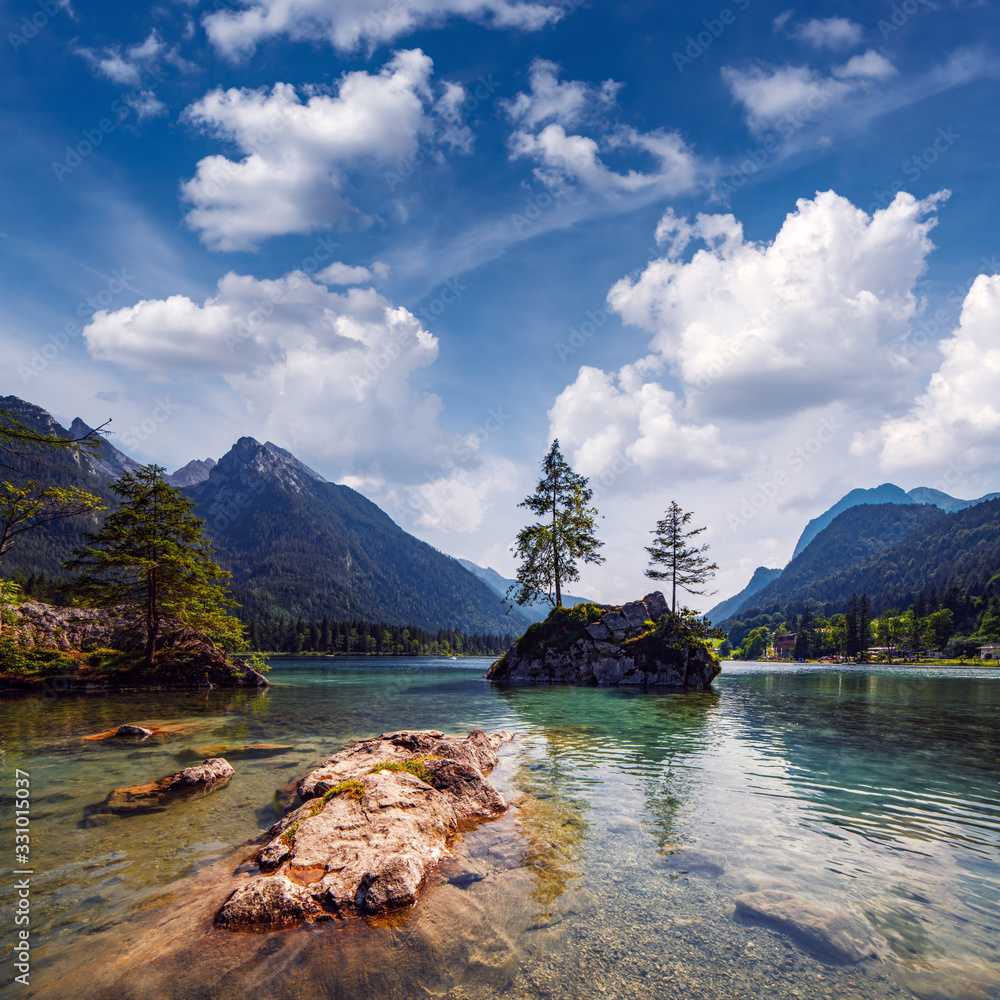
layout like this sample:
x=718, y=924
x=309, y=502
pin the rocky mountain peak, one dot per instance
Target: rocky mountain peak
x=249, y=461
x=196, y=471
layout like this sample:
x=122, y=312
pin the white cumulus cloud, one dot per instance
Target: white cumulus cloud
x=762, y=329
x=773, y=95
x=542, y=116
x=327, y=372
x=871, y=65
x=351, y=24
x=958, y=414
x=344, y=274
x=293, y=176
x=608, y=423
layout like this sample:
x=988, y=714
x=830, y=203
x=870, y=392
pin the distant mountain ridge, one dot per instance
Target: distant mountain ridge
x=196, y=471
x=853, y=536
x=533, y=612
x=933, y=550
x=295, y=543
x=886, y=493
x=762, y=576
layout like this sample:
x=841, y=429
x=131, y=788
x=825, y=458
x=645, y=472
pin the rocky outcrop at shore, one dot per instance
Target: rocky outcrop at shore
x=185, y=658
x=638, y=644
x=375, y=819
x=191, y=783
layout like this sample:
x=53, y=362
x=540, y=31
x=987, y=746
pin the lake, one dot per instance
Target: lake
x=873, y=790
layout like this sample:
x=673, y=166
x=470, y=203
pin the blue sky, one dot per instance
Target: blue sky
x=738, y=255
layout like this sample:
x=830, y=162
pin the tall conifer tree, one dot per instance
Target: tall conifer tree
x=549, y=550
x=150, y=559
x=684, y=566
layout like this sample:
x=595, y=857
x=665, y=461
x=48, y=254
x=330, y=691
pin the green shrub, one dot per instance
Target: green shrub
x=560, y=630
x=17, y=659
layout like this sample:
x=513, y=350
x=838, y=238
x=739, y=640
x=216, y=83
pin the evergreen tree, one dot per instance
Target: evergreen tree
x=25, y=507
x=864, y=627
x=852, y=645
x=150, y=559
x=686, y=566
x=550, y=549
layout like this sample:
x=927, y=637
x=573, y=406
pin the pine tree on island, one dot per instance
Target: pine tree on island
x=550, y=549
x=686, y=566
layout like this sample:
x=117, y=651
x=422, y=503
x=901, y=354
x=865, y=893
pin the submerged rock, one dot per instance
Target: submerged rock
x=695, y=859
x=616, y=647
x=835, y=932
x=970, y=979
x=192, y=782
x=375, y=819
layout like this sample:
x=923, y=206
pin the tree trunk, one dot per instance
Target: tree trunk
x=673, y=577
x=152, y=618
x=555, y=550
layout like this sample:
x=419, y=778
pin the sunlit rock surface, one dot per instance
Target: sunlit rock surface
x=375, y=819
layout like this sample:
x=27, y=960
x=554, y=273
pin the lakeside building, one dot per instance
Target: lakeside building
x=783, y=646
x=991, y=651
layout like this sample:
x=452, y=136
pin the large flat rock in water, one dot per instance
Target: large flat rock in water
x=828, y=929
x=375, y=819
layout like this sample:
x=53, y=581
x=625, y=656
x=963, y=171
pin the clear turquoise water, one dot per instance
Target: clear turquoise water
x=873, y=790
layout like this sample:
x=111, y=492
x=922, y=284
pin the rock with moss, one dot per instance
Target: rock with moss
x=374, y=820
x=639, y=644
x=95, y=649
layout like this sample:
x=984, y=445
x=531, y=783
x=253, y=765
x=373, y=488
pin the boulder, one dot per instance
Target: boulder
x=636, y=614
x=129, y=731
x=617, y=650
x=968, y=979
x=834, y=932
x=656, y=605
x=374, y=820
x=614, y=621
x=192, y=782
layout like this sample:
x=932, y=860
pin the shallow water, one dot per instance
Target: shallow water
x=873, y=790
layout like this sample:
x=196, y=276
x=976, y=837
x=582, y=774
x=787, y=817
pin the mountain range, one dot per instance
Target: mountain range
x=886, y=493
x=500, y=584
x=295, y=544
x=890, y=550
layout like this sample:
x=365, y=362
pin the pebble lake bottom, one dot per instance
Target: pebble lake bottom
x=636, y=821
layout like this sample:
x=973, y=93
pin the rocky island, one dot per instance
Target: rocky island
x=374, y=820
x=87, y=649
x=640, y=644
